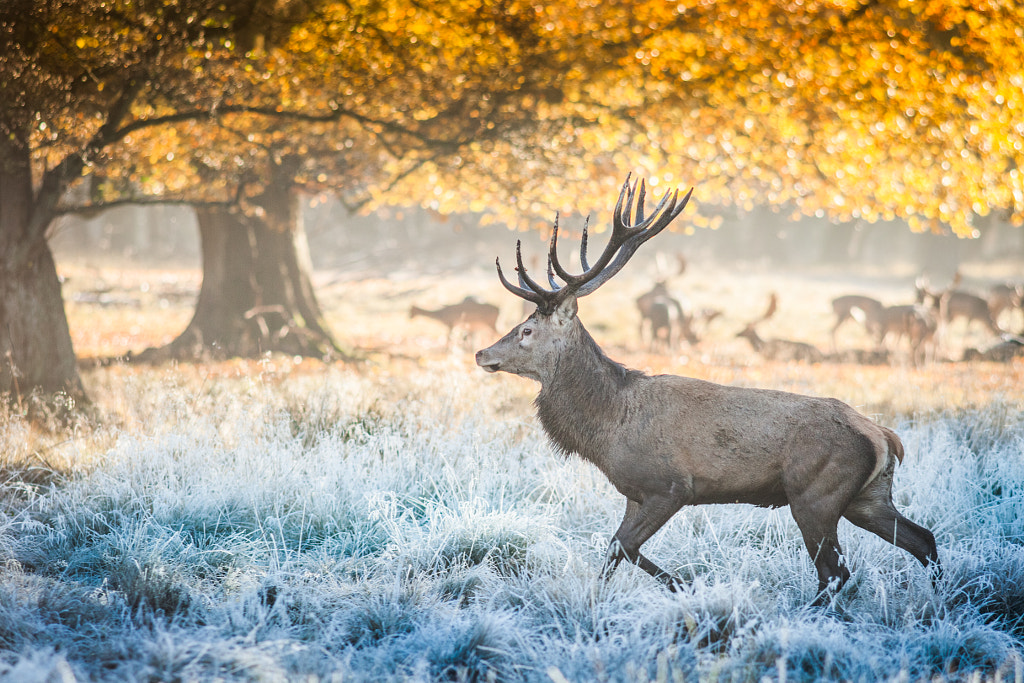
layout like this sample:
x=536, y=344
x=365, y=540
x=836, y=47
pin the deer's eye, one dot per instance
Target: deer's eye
x=527, y=331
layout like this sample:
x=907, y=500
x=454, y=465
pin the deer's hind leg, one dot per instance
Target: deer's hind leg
x=887, y=523
x=874, y=511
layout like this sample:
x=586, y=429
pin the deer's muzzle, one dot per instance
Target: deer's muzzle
x=485, y=363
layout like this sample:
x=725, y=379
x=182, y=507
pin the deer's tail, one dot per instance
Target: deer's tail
x=895, y=445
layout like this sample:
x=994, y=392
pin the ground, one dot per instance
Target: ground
x=404, y=519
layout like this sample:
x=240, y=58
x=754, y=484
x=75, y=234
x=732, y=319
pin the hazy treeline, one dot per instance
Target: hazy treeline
x=403, y=236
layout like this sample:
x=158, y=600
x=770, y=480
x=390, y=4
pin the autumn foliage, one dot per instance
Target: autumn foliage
x=854, y=110
x=850, y=110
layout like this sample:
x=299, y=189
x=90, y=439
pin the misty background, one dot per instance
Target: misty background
x=398, y=241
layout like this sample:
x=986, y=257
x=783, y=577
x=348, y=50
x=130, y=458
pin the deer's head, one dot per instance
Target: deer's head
x=533, y=347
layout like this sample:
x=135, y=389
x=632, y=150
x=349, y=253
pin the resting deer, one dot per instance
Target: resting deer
x=778, y=349
x=666, y=441
x=1008, y=347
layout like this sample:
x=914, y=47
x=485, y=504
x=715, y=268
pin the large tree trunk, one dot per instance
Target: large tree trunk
x=256, y=294
x=36, y=354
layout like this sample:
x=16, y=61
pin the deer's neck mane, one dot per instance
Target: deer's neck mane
x=583, y=401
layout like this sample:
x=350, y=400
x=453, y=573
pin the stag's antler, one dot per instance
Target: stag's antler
x=625, y=239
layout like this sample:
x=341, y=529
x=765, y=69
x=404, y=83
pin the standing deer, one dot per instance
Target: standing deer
x=863, y=309
x=662, y=312
x=915, y=322
x=1005, y=296
x=666, y=441
x=953, y=303
x=778, y=349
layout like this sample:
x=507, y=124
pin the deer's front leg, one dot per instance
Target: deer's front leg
x=640, y=522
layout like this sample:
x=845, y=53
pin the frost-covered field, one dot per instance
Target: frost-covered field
x=415, y=525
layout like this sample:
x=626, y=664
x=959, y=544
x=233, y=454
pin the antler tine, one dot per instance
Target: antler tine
x=522, y=293
x=524, y=277
x=623, y=206
x=519, y=265
x=583, y=245
x=667, y=210
x=551, y=278
x=667, y=216
x=620, y=233
x=641, y=224
x=519, y=275
x=640, y=202
x=553, y=264
x=551, y=250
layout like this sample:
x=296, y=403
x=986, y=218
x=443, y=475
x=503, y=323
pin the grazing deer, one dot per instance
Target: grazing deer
x=661, y=312
x=863, y=309
x=667, y=441
x=469, y=316
x=778, y=349
x=469, y=313
x=955, y=304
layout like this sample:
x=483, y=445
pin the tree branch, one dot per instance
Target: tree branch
x=334, y=115
x=94, y=208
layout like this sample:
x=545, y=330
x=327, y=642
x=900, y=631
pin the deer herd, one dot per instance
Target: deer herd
x=905, y=332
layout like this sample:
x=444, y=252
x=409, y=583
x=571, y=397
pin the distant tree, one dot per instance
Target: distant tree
x=360, y=96
x=236, y=107
x=79, y=77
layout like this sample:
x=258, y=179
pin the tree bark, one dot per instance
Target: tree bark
x=36, y=353
x=256, y=294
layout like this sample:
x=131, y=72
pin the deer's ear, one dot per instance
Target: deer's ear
x=565, y=312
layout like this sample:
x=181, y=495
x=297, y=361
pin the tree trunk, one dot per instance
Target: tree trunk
x=256, y=294
x=36, y=354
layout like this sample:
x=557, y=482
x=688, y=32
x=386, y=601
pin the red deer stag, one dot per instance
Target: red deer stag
x=667, y=441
